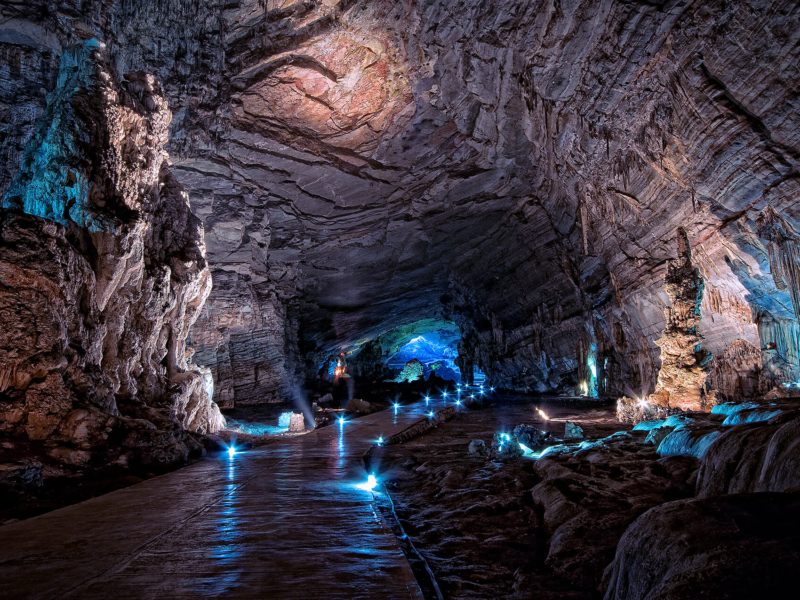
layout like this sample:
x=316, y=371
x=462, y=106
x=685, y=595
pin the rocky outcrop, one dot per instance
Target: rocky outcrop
x=753, y=457
x=739, y=546
x=103, y=274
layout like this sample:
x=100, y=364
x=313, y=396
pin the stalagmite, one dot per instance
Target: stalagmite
x=685, y=364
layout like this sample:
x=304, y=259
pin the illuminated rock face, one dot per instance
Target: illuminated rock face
x=413, y=371
x=103, y=274
x=519, y=168
x=684, y=362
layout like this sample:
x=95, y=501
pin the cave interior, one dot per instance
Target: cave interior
x=530, y=269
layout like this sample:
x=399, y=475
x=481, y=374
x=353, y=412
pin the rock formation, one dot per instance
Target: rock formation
x=684, y=361
x=103, y=274
x=517, y=168
x=731, y=547
x=412, y=371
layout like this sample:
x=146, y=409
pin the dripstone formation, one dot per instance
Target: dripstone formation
x=102, y=274
x=684, y=362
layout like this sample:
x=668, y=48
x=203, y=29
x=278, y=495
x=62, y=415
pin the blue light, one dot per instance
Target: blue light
x=472, y=395
x=369, y=485
x=396, y=406
x=444, y=394
x=458, y=402
x=231, y=451
x=380, y=440
x=430, y=414
x=341, y=421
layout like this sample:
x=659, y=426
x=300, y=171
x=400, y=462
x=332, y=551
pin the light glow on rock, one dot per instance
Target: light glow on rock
x=369, y=484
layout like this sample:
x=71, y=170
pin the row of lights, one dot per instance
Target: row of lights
x=372, y=481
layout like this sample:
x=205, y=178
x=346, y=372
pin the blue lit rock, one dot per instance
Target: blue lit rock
x=104, y=274
x=413, y=371
x=572, y=431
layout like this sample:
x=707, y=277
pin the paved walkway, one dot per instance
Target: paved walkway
x=282, y=521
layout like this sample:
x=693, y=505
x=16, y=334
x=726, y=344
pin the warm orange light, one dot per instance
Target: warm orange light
x=542, y=414
x=338, y=371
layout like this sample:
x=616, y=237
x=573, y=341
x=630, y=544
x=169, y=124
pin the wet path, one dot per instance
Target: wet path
x=282, y=521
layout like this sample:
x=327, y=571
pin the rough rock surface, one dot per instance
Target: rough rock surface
x=103, y=274
x=684, y=362
x=413, y=371
x=518, y=167
x=732, y=547
x=753, y=457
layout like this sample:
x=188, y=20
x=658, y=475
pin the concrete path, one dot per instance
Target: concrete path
x=282, y=521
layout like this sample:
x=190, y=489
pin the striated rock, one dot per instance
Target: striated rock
x=741, y=546
x=516, y=168
x=103, y=274
x=753, y=457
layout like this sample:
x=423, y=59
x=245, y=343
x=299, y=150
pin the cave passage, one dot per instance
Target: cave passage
x=532, y=265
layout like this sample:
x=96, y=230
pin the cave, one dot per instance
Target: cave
x=414, y=299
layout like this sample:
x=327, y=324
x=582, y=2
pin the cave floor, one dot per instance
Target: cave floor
x=285, y=520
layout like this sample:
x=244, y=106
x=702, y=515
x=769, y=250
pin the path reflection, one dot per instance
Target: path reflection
x=226, y=542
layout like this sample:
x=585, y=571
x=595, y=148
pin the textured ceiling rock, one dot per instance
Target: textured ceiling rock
x=103, y=274
x=520, y=168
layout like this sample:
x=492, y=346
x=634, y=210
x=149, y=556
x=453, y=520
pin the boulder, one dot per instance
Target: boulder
x=733, y=547
x=753, y=457
x=413, y=371
x=530, y=436
x=478, y=448
x=572, y=431
x=506, y=445
x=361, y=407
x=297, y=423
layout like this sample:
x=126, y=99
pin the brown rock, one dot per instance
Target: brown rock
x=741, y=546
x=103, y=267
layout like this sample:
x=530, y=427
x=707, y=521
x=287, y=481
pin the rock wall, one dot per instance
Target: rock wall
x=103, y=274
x=520, y=168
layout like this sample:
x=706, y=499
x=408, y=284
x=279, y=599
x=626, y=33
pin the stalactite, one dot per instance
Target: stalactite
x=784, y=253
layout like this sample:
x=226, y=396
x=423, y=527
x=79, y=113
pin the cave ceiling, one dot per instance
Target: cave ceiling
x=516, y=166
